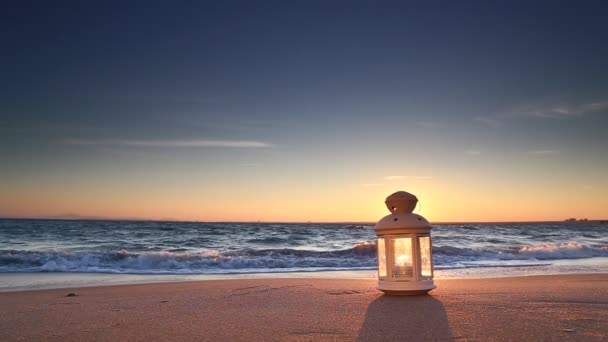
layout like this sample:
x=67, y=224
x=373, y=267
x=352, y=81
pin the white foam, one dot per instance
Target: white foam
x=362, y=256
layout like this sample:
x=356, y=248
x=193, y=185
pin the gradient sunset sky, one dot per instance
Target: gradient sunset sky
x=304, y=110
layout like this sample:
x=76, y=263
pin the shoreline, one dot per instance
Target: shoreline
x=24, y=281
x=549, y=307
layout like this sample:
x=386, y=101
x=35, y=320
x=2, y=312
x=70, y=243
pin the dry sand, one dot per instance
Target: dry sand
x=565, y=307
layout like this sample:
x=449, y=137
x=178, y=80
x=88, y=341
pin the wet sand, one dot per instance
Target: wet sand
x=564, y=307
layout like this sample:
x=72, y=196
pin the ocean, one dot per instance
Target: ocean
x=211, y=248
x=198, y=248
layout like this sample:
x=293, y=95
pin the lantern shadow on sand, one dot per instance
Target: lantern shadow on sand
x=405, y=318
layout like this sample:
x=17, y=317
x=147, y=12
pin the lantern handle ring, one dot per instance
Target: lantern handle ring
x=419, y=206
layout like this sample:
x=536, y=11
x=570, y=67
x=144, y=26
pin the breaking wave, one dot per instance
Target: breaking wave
x=361, y=256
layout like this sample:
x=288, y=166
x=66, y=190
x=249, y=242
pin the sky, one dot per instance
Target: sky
x=304, y=110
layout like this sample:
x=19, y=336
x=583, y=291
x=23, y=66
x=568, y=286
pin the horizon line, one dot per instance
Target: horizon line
x=289, y=222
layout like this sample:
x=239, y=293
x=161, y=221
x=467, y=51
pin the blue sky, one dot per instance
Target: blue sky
x=211, y=100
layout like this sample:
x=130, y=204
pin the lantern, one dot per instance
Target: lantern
x=405, y=263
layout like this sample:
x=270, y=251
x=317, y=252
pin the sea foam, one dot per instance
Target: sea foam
x=361, y=256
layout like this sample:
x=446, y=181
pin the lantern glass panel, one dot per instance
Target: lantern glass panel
x=425, y=256
x=381, y=258
x=402, y=258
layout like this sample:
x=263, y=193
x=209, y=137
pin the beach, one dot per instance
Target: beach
x=534, y=308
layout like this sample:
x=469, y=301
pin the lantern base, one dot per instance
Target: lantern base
x=406, y=288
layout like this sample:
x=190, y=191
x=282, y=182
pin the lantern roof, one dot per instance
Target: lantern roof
x=401, y=205
x=401, y=202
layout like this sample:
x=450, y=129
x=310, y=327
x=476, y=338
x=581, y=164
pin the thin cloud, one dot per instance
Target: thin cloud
x=544, y=152
x=564, y=110
x=472, y=152
x=372, y=184
x=173, y=143
x=427, y=124
x=489, y=121
x=555, y=109
x=396, y=178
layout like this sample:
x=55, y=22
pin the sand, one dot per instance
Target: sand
x=565, y=307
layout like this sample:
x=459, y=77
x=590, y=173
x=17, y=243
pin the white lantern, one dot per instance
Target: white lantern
x=405, y=263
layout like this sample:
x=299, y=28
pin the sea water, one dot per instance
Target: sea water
x=37, y=248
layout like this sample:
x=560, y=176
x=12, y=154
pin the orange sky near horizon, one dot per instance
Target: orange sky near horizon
x=439, y=201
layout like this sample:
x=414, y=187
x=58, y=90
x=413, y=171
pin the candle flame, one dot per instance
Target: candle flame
x=402, y=260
